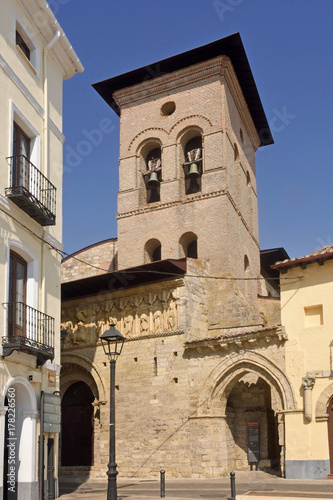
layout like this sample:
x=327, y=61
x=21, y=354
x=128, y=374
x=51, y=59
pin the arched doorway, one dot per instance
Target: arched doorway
x=77, y=432
x=330, y=435
x=19, y=434
x=249, y=405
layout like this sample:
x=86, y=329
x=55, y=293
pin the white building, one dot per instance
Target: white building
x=35, y=58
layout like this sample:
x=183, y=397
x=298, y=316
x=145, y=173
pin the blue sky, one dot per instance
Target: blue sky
x=289, y=47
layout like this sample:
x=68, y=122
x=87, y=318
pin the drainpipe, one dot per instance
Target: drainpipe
x=308, y=383
x=45, y=147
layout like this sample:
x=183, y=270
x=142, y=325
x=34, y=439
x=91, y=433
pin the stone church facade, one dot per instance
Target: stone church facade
x=203, y=364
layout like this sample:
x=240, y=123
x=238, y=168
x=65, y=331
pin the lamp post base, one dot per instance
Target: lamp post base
x=112, y=481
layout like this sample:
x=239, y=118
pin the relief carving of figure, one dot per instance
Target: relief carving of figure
x=82, y=313
x=82, y=334
x=128, y=325
x=67, y=334
x=171, y=316
x=158, y=322
x=144, y=324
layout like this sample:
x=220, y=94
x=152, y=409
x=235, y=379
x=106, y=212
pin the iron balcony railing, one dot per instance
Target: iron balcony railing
x=29, y=331
x=31, y=190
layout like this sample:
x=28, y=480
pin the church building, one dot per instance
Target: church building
x=201, y=385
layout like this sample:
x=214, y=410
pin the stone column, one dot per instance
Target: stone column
x=281, y=434
x=308, y=383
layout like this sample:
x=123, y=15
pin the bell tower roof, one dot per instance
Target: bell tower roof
x=231, y=46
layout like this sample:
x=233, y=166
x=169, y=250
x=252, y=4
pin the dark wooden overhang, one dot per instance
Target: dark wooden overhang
x=267, y=259
x=231, y=46
x=153, y=272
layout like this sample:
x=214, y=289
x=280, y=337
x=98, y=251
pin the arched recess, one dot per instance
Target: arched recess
x=221, y=380
x=86, y=369
x=152, y=250
x=189, y=245
x=21, y=392
x=322, y=403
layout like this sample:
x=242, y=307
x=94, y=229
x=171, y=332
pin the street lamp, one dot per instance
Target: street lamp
x=112, y=342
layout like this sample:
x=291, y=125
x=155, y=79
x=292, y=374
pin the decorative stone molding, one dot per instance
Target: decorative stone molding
x=92, y=370
x=148, y=133
x=160, y=206
x=190, y=121
x=242, y=340
x=166, y=82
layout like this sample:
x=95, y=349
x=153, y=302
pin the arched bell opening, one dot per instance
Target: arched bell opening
x=191, y=143
x=77, y=430
x=151, y=159
x=252, y=424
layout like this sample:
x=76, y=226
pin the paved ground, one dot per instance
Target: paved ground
x=249, y=486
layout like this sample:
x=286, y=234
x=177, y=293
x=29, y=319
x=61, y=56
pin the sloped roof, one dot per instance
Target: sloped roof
x=153, y=272
x=324, y=253
x=231, y=46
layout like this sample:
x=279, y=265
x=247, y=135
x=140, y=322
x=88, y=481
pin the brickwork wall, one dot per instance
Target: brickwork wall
x=224, y=214
x=87, y=261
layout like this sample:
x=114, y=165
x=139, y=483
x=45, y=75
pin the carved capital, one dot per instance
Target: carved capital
x=308, y=382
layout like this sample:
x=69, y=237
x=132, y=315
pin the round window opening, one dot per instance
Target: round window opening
x=168, y=108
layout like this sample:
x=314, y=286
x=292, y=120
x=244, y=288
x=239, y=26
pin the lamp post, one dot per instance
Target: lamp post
x=112, y=342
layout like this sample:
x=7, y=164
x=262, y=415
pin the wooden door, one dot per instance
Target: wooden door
x=77, y=427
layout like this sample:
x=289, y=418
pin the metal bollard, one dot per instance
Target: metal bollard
x=162, y=472
x=232, y=486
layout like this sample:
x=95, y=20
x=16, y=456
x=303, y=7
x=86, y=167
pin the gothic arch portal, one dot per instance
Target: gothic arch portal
x=219, y=383
x=224, y=395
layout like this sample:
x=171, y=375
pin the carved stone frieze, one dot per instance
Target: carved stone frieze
x=142, y=314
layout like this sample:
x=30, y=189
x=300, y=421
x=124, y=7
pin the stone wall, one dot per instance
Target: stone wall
x=90, y=261
x=174, y=379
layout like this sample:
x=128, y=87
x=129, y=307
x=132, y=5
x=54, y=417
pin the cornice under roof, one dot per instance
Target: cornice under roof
x=231, y=46
x=47, y=26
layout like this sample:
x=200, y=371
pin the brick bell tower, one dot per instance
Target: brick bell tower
x=189, y=129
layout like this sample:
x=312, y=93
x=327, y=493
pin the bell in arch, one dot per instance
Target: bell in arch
x=193, y=172
x=153, y=181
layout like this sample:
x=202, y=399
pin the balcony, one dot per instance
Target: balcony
x=31, y=190
x=29, y=331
